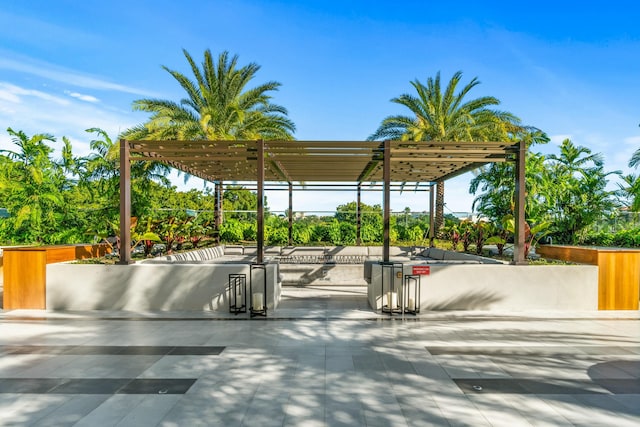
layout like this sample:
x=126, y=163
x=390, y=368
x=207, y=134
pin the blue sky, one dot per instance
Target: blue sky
x=571, y=71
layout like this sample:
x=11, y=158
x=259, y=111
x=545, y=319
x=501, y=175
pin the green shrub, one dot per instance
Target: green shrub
x=231, y=231
x=302, y=233
x=624, y=238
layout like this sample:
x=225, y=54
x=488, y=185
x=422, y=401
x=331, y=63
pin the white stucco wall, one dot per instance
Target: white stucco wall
x=500, y=287
x=140, y=287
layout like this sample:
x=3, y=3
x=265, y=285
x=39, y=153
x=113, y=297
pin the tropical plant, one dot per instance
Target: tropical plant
x=452, y=232
x=499, y=234
x=240, y=203
x=219, y=105
x=532, y=235
x=102, y=180
x=446, y=116
x=480, y=234
x=579, y=195
x=635, y=159
x=32, y=188
x=231, y=231
x=466, y=233
x=146, y=237
x=496, y=182
x=170, y=229
x=629, y=192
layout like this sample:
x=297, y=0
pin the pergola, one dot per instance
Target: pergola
x=387, y=163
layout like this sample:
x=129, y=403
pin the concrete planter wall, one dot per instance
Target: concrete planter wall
x=500, y=287
x=141, y=287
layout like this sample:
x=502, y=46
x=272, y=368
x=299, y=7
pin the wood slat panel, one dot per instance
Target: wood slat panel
x=24, y=279
x=618, y=280
x=569, y=253
x=308, y=161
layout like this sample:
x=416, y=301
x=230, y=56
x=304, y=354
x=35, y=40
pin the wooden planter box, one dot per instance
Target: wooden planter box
x=24, y=271
x=618, y=272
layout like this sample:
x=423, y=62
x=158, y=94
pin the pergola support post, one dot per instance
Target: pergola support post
x=125, y=204
x=290, y=214
x=519, y=238
x=260, y=219
x=386, y=200
x=218, y=210
x=359, y=216
x=432, y=216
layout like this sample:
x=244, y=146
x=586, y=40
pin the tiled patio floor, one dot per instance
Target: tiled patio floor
x=322, y=358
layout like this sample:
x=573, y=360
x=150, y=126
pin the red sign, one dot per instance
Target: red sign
x=422, y=270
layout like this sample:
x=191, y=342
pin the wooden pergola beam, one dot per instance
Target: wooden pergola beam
x=320, y=161
x=125, y=204
x=260, y=179
x=386, y=198
x=519, y=238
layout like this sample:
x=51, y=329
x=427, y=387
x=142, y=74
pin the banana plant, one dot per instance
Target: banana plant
x=170, y=229
x=480, y=229
x=500, y=235
x=532, y=235
x=148, y=238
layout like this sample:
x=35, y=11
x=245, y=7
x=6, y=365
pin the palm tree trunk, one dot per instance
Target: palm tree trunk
x=439, y=220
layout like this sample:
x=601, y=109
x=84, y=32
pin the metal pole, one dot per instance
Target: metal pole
x=290, y=214
x=260, y=230
x=359, y=216
x=218, y=214
x=432, y=229
x=386, y=200
x=125, y=204
x=518, y=253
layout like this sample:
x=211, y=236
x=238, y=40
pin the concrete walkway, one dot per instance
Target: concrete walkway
x=322, y=358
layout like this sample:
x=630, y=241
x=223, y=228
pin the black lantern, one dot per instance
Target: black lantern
x=237, y=293
x=411, y=294
x=391, y=279
x=258, y=290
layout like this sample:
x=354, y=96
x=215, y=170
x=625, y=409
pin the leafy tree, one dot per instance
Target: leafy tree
x=629, y=192
x=231, y=231
x=219, y=105
x=579, y=195
x=236, y=198
x=497, y=183
x=446, y=116
x=102, y=180
x=276, y=230
x=32, y=189
x=370, y=220
x=302, y=231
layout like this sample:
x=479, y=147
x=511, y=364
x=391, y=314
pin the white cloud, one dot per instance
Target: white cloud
x=632, y=140
x=557, y=139
x=82, y=97
x=66, y=76
x=35, y=111
x=14, y=94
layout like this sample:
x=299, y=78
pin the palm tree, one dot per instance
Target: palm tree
x=578, y=195
x=574, y=158
x=218, y=105
x=446, y=116
x=629, y=191
x=497, y=186
x=635, y=159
